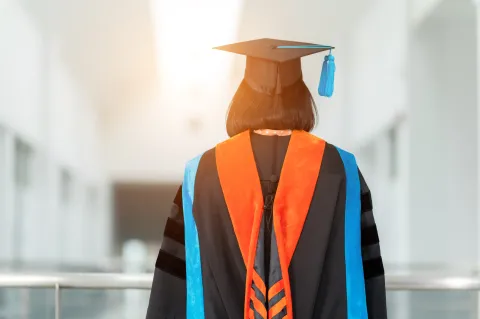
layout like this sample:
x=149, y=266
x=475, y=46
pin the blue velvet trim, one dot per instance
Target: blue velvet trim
x=355, y=280
x=195, y=304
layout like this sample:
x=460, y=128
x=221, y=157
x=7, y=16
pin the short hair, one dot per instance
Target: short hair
x=293, y=109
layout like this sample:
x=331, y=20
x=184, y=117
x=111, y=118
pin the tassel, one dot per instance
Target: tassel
x=325, y=87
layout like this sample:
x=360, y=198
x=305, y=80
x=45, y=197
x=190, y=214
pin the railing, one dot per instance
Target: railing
x=144, y=281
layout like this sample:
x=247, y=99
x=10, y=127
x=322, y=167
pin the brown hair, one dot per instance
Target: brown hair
x=293, y=109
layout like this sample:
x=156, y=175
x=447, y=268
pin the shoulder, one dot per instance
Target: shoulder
x=208, y=157
x=335, y=158
x=345, y=162
x=195, y=168
x=345, y=155
x=330, y=148
x=202, y=159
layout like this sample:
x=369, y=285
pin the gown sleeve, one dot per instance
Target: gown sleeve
x=372, y=259
x=168, y=294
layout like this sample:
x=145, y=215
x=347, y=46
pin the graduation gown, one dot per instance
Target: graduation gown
x=270, y=227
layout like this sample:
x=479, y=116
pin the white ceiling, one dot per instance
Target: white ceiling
x=108, y=44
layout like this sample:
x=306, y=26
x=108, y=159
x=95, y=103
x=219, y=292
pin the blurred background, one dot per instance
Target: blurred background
x=102, y=102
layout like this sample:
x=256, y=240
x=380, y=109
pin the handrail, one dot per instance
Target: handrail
x=431, y=283
x=144, y=281
x=77, y=281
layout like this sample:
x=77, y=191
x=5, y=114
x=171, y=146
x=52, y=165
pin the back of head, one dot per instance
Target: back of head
x=272, y=94
x=292, y=109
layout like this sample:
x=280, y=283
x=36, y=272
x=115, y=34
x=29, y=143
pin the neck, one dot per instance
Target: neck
x=268, y=132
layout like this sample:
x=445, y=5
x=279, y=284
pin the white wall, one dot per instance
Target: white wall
x=443, y=141
x=75, y=139
x=20, y=99
x=20, y=41
x=426, y=90
x=376, y=74
x=43, y=106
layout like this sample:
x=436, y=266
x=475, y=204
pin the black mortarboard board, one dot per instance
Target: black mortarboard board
x=275, y=64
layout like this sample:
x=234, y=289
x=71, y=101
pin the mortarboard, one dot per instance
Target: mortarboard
x=275, y=64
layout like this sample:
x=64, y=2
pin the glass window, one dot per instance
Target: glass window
x=23, y=164
x=66, y=187
x=92, y=198
x=393, y=151
x=24, y=202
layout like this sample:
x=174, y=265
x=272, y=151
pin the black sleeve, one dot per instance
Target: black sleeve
x=372, y=258
x=168, y=294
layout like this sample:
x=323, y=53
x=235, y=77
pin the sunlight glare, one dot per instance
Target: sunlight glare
x=186, y=32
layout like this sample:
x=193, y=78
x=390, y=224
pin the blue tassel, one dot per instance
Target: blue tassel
x=325, y=87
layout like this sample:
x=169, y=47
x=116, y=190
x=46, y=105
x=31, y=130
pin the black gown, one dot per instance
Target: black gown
x=318, y=271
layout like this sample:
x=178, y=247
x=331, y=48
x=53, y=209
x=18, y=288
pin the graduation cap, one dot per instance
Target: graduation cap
x=273, y=65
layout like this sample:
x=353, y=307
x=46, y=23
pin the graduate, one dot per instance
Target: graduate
x=273, y=222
